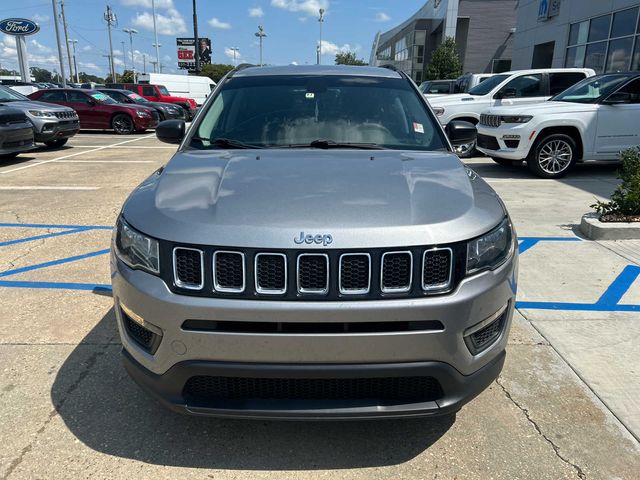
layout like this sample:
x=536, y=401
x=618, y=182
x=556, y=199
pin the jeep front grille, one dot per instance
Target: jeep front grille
x=271, y=273
x=396, y=273
x=188, y=267
x=314, y=275
x=490, y=120
x=228, y=272
x=355, y=273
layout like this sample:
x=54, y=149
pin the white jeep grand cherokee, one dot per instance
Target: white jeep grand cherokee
x=593, y=120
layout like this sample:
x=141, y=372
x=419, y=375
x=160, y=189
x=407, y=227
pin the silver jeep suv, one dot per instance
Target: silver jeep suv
x=314, y=249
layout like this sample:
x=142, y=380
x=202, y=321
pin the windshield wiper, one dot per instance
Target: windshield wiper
x=327, y=144
x=225, y=143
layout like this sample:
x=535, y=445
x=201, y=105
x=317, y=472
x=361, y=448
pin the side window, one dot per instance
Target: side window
x=526, y=86
x=148, y=92
x=131, y=88
x=53, y=96
x=633, y=89
x=559, y=82
x=77, y=97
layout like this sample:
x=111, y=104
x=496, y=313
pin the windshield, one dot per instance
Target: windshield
x=103, y=98
x=137, y=98
x=9, y=95
x=487, y=85
x=424, y=86
x=590, y=90
x=294, y=111
x=163, y=90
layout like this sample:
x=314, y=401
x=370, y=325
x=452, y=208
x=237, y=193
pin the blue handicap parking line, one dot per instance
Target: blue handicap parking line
x=49, y=225
x=529, y=242
x=44, y=235
x=53, y=263
x=56, y=285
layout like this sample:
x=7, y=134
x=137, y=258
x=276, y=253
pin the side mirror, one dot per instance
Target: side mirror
x=92, y=102
x=170, y=131
x=506, y=93
x=618, y=98
x=461, y=132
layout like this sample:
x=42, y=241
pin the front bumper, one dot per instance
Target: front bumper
x=56, y=129
x=168, y=389
x=508, y=142
x=181, y=352
x=16, y=138
x=142, y=123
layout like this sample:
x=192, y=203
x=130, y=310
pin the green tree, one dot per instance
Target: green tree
x=41, y=74
x=215, y=71
x=349, y=58
x=445, y=62
x=87, y=77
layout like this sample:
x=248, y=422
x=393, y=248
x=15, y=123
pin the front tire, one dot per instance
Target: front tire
x=553, y=156
x=122, y=124
x=56, y=143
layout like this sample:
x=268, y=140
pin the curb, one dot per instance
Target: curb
x=594, y=229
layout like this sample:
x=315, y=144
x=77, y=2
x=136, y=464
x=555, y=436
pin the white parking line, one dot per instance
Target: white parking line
x=46, y=187
x=127, y=146
x=105, y=161
x=75, y=154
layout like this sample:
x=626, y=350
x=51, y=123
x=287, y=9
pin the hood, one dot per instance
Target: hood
x=34, y=105
x=135, y=107
x=547, y=108
x=159, y=105
x=265, y=198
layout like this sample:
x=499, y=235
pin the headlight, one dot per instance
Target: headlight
x=438, y=111
x=490, y=250
x=136, y=249
x=40, y=113
x=515, y=118
x=142, y=114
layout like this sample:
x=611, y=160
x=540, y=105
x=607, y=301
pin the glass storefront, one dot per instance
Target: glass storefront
x=608, y=43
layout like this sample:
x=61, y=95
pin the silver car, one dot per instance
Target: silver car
x=314, y=250
x=53, y=125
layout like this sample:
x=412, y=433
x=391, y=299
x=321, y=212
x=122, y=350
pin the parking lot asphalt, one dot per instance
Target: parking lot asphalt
x=565, y=406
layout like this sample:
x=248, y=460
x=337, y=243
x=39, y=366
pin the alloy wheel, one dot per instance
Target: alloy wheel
x=555, y=156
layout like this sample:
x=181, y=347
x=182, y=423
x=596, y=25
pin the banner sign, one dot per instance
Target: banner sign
x=187, y=52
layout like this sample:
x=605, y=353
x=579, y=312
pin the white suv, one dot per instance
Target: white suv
x=509, y=88
x=593, y=120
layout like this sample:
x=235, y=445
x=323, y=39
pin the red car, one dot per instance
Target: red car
x=99, y=111
x=159, y=93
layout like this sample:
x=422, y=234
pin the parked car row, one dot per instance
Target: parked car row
x=462, y=84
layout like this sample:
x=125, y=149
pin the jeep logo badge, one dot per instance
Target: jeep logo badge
x=319, y=239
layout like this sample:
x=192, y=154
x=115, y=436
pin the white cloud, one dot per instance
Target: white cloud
x=382, y=17
x=330, y=48
x=215, y=23
x=310, y=7
x=40, y=18
x=38, y=54
x=256, y=12
x=168, y=24
x=87, y=48
x=167, y=58
x=147, y=3
x=88, y=65
x=117, y=62
x=303, y=19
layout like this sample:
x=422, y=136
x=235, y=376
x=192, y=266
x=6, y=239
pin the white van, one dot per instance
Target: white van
x=189, y=86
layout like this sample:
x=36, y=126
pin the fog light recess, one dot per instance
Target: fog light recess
x=484, y=334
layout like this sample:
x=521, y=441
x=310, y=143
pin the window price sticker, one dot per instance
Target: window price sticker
x=418, y=128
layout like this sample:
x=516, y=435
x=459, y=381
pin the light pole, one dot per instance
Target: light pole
x=131, y=32
x=124, y=57
x=75, y=64
x=157, y=62
x=111, y=20
x=321, y=21
x=260, y=34
x=155, y=31
x=195, y=39
x=66, y=38
x=234, y=50
x=55, y=23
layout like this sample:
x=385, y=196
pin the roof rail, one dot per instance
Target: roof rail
x=389, y=66
x=240, y=67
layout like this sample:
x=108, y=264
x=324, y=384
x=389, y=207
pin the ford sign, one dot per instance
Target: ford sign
x=18, y=26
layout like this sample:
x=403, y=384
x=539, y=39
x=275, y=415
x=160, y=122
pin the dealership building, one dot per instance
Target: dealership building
x=483, y=30
x=599, y=34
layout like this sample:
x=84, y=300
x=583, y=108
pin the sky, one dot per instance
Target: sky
x=291, y=26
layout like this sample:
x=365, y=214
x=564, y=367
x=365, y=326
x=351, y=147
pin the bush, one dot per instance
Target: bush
x=625, y=200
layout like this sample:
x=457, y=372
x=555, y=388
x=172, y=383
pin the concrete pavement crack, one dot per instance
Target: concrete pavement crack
x=555, y=447
x=89, y=364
